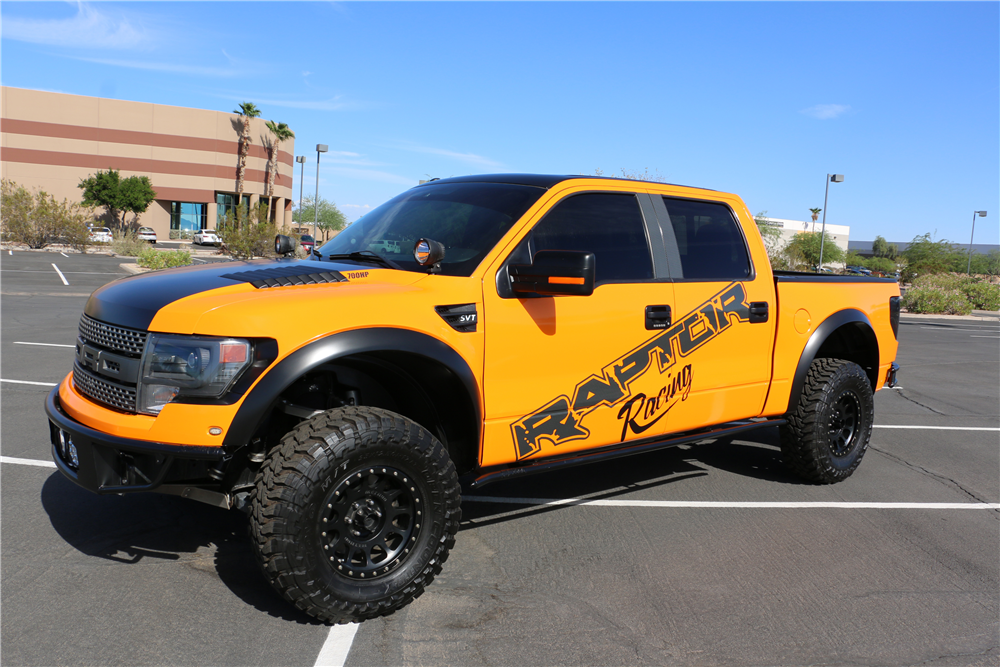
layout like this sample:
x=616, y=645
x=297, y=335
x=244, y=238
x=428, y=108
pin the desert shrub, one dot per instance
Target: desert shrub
x=127, y=243
x=982, y=295
x=246, y=235
x=36, y=219
x=931, y=299
x=156, y=259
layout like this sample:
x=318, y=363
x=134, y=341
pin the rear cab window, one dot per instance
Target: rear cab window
x=708, y=244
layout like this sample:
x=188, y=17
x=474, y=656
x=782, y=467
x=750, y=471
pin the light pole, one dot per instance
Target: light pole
x=301, y=159
x=320, y=148
x=981, y=214
x=834, y=178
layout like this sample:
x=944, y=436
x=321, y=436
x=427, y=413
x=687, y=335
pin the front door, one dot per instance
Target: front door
x=554, y=380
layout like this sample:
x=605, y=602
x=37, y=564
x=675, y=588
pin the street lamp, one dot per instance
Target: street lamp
x=830, y=178
x=320, y=148
x=301, y=159
x=981, y=214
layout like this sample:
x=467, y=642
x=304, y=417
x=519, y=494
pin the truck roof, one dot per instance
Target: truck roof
x=537, y=180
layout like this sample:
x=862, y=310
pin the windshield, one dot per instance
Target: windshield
x=468, y=218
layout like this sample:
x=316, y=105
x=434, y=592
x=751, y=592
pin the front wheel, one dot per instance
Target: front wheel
x=354, y=513
x=827, y=433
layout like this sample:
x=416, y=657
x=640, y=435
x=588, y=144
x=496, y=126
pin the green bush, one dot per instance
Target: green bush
x=36, y=219
x=127, y=244
x=155, y=259
x=983, y=295
x=931, y=299
x=247, y=234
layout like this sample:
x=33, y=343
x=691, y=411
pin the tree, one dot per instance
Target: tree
x=37, y=219
x=924, y=256
x=246, y=111
x=281, y=132
x=772, y=241
x=330, y=217
x=883, y=264
x=815, y=213
x=636, y=175
x=129, y=195
x=805, y=248
x=881, y=248
x=854, y=259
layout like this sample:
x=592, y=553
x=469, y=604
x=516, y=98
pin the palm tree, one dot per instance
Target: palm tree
x=281, y=132
x=246, y=111
x=815, y=212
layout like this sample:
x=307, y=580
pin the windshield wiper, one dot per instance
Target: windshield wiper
x=365, y=256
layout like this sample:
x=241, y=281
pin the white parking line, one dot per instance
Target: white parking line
x=18, y=342
x=64, y=255
x=942, y=428
x=337, y=646
x=41, y=384
x=721, y=504
x=947, y=328
x=27, y=462
x=65, y=282
x=984, y=336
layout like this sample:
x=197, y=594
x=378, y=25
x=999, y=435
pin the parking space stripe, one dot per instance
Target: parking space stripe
x=940, y=428
x=61, y=276
x=18, y=342
x=337, y=646
x=27, y=462
x=984, y=336
x=40, y=384
x=722, y=504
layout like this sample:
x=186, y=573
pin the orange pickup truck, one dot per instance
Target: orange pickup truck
x=484, y=327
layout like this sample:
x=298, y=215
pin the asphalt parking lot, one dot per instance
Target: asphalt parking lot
x=710, y=554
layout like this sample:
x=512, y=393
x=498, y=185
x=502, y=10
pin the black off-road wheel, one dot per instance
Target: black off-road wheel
x=827, y=434
x=354, y=513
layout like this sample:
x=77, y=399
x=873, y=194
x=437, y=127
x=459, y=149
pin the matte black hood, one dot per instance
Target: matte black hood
x=134, y=301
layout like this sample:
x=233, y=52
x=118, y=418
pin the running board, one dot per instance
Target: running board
x=508, y=471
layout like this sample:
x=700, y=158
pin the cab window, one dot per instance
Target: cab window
x=709, y=241
x=608, y=225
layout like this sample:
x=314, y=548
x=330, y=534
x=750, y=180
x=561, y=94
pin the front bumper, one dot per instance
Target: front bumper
x=106, y=463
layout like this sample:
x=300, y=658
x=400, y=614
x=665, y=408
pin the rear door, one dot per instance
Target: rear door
x=721, y=339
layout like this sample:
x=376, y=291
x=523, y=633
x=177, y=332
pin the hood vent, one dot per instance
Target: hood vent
x=286, y=276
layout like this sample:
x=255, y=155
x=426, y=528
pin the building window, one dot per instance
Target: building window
x=186, y=218
x=226, y=204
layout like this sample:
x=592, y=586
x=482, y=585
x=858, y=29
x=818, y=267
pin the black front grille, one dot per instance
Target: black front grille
x=113, y=394
x=117, y=339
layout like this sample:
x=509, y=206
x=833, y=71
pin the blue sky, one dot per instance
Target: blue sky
x=760, y=99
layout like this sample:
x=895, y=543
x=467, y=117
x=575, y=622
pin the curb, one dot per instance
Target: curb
x=985, y=317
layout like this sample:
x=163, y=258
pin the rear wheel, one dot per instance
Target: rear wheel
x=354, y=513
x=828, y=432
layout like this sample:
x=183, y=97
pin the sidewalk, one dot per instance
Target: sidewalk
x=977, y=315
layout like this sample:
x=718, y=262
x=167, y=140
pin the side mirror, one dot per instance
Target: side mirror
x=555, y=273
x=283, y=245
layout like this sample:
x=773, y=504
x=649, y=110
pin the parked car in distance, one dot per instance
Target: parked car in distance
x=307, y=242
x=147, y=234
x=206, y=237
x=100, y=235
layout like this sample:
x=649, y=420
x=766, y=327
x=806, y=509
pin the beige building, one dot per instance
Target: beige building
x=52, y=141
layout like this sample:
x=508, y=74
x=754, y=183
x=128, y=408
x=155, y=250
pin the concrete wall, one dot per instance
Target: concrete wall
x=52, y=141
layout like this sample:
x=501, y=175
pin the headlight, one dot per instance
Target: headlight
x=198, y=366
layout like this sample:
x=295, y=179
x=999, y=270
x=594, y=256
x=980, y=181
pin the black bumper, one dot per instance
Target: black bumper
x=110, y=464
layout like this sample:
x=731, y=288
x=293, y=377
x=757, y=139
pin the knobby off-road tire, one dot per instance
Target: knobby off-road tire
x=827, y=434
x=354, y=513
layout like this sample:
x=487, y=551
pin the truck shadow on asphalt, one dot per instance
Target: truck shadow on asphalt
x=756, y=455
x=139, y=528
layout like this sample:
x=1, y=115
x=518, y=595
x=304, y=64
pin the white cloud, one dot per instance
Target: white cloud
x=336, y=103
x=826, y=111
x=470, y=158
x=171, y=68
x=371, y=175
x=360, y=207
x=89, y=29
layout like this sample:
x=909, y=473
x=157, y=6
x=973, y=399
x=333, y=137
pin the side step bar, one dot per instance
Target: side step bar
x=498, y=473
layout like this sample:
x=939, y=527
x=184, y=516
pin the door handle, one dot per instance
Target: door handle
x=758, y=312
x=657, y=317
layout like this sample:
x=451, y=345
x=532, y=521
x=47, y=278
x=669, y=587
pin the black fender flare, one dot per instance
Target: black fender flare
x=816, y=340
x=258, y=403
